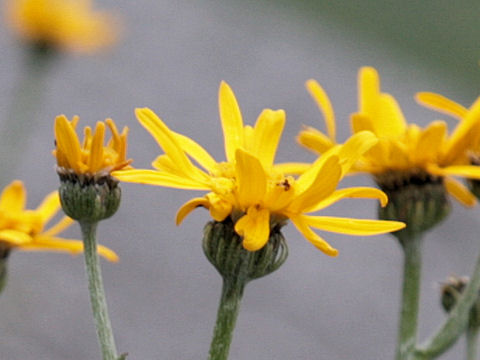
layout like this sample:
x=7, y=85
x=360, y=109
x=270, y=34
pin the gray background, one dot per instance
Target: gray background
x=163, y=293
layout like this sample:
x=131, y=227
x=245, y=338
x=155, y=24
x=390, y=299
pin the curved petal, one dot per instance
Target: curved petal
x=324, y=105
x=352, y=226
x=267, y=132
x=196, y=152
x=251, y=179
x=322, y=186
x=314, y=140
x=441, y=103
x=219, y=208
x=152, y=177
x=95, y=160
x=47, y=243
x=188, y=207
x=466, y=171
x=382, y=108
x=354, y=148
x=64, y=223
x=13, y=197
x=461, y=137
x=311, y=236
x=67, y=142
x=254, y=227
x=460, y=192
x=292, y=168
x=49, y=206
x=166, y=140
x=355, y=192
x=431, y=140
x=14, y=237
x=231, y=119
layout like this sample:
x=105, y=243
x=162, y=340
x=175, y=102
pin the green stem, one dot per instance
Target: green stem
x=228, y=308
x=455, y=323
x=407, y=333
x=472, y=339
x=4, y=253
x=97, y=293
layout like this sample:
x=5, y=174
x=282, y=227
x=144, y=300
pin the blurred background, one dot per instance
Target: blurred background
x=171, y=57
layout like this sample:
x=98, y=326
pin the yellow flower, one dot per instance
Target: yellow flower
x=256, y=193
x=66, y=24
x=402, y=148
x=25, y=229
x=90, y=158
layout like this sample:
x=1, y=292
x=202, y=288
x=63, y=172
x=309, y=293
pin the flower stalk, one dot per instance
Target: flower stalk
x=223, y=248
x=407, y=333
x=97, y=293
x=455, y=324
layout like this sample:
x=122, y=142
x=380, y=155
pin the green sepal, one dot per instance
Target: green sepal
x=223, y=248
x=417, y=198
x=89, y=199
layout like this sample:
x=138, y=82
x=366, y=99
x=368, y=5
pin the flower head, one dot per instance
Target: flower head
x=87, y=191
x=91, y=158
x=404, y=151
x=24, y=229
x=248, y=187
x=66, y=24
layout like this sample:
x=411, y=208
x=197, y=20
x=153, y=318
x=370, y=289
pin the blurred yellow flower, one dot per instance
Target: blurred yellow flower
x=90, y=158
x=24, y=229
x=67, y=24
x=256, y=193
x=402, y=148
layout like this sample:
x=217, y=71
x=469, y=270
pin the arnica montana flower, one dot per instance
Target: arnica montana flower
x=64, y=24
x=87, y=190
x=404, y=151
x=24, y=229
x=249, y=188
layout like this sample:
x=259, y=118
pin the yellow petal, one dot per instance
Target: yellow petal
x=459, y=192
x=441, y=103
x=314, y=238
x=232, y=122
x=324, y=105
x=383, y=110
x=152, y=177
x=466, y=171
x=254, y=227
x=197, y=152
x=47, y=243
x=166, y=140
x=188, y=207
x=95, y=160
x=462, y=138
x=355, y=192
x=292, y=168
x=13, y=197
x=357, y=145
x=353, y=226
x=59, y=227
x=219, y=208
x=431, y=140
x=322, y=186
x=267, y=132
x=14, y=237
x=251, y=179
x=49, y=206
x=67, y=142
x=361, y=122
x=314, y=140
